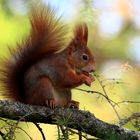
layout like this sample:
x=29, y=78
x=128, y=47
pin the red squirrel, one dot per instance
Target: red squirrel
x=39, y=71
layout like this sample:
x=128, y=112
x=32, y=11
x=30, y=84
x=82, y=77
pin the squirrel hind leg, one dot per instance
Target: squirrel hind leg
x=41, y=93
x=73, y=104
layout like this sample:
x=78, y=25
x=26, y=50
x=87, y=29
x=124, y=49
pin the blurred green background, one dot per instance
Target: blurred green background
x=114, y=38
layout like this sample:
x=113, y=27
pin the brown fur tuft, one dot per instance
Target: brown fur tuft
x=81, y=33
x=47, y=36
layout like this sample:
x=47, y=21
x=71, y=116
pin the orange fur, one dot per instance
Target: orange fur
x=46, y=37
x=36, y=73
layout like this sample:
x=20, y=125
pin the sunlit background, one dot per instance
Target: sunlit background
x=114, y=38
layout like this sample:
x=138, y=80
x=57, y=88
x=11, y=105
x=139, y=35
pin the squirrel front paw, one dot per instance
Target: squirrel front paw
x=88, y=79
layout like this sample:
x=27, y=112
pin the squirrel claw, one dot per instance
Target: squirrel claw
x=51, y=103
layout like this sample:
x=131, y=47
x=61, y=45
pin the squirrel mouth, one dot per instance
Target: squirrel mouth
x=86, y=73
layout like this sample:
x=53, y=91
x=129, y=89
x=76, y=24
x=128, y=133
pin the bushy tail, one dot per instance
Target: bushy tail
x=47, y=36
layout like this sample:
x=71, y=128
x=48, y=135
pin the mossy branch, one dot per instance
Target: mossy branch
x=76, y=119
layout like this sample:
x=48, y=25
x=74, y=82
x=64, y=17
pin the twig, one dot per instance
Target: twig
x=130, y=118
x=84, y=136
x=80, y=135
x=127, y=101
x=97, y=92
x=25, y=133
x=58, y=130
x=103, y=88
x=64, y=132
x=40, y=130
x=2, y=134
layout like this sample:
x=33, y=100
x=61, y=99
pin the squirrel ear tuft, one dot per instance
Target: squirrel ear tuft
x=80, y=37
x=81, y=33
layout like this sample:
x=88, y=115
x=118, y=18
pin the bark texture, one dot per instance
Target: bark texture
x=76, y=119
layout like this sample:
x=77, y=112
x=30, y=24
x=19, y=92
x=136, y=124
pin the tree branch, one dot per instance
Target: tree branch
x=130, y=118
x=77, y=119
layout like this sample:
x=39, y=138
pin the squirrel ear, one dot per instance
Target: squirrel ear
x=72, y=47
x=81, y=33
x=80, y=37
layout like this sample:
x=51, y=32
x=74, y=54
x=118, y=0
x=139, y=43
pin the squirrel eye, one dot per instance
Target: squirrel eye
x=85, y=57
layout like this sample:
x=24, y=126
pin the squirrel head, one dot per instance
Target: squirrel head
x=80, y=57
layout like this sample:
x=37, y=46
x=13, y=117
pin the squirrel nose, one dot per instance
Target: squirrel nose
x=92, y=69
x=89, y=69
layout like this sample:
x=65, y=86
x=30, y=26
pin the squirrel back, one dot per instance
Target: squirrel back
x=47, y=36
